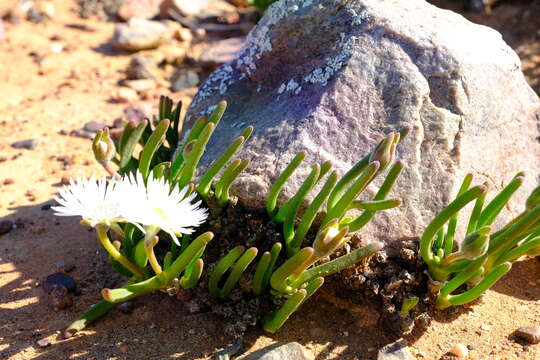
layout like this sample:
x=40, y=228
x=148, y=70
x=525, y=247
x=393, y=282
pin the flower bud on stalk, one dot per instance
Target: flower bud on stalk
x=104, y=150
x=476, y=244
x=385, y=151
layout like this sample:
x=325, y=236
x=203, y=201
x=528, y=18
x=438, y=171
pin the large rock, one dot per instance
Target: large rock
x=332, y=77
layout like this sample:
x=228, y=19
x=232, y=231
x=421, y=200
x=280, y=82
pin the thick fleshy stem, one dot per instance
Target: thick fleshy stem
x=275, y=321
x=114, y=253
x=92, y=314
x=428, y=237
x=338, y=264
x=444, y=301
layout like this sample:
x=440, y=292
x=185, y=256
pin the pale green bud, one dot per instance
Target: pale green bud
x=103, y=146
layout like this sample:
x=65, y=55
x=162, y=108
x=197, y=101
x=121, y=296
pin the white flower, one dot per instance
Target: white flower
x=157, y=206
x=92, y=199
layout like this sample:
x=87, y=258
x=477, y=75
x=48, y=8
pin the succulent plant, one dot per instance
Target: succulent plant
x=485, y=255
x=301, y=270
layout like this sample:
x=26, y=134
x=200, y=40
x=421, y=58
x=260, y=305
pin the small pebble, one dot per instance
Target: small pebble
x=29, y=144
x=530, y=334
x=93, y=126
x=9, y=181
x=125, y=94
x=485, y=327
x=5, y=226
x=459, y=350
x=83, y=134
x=42, y=343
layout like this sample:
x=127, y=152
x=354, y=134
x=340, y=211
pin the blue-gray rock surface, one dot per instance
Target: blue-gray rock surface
x=333, y=77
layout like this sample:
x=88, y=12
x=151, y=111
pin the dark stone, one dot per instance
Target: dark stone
x=59, y=279
x=530, y=334
x=29, y=144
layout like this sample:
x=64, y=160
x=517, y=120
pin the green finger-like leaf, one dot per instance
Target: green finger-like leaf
x=218, y=112
x=260, y=271
x=159, y=170
x=273, y=322
x=338, y=264
x=408, y=305
x=167, y=260
x=223, y=265
x=237, y=271
x=93, y=313
x=140, y=255
x=224, y=184
x=273, y=195
x=278, y=280
x=325, y=168
x=452, y=224
x=475, y=215
x=206, y=181
x=473, y=270
x=312, y=210
x=427, y=239
x=130, y=142
x=495, y=206
x=126, y=133
x=352, y=193
x=501, y=243
x=375, y=205
x=521, y=250
x=178, y=158
x=489, y=280
x=296, y=203
x=437, y=245
x=274, y=254
x=192, y=275
x=155, y=141
x=348, y=178
x=185, y=258
x=188, y=171
x=385, y=188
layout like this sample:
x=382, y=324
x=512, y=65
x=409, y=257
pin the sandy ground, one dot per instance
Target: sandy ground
x=77, y=85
